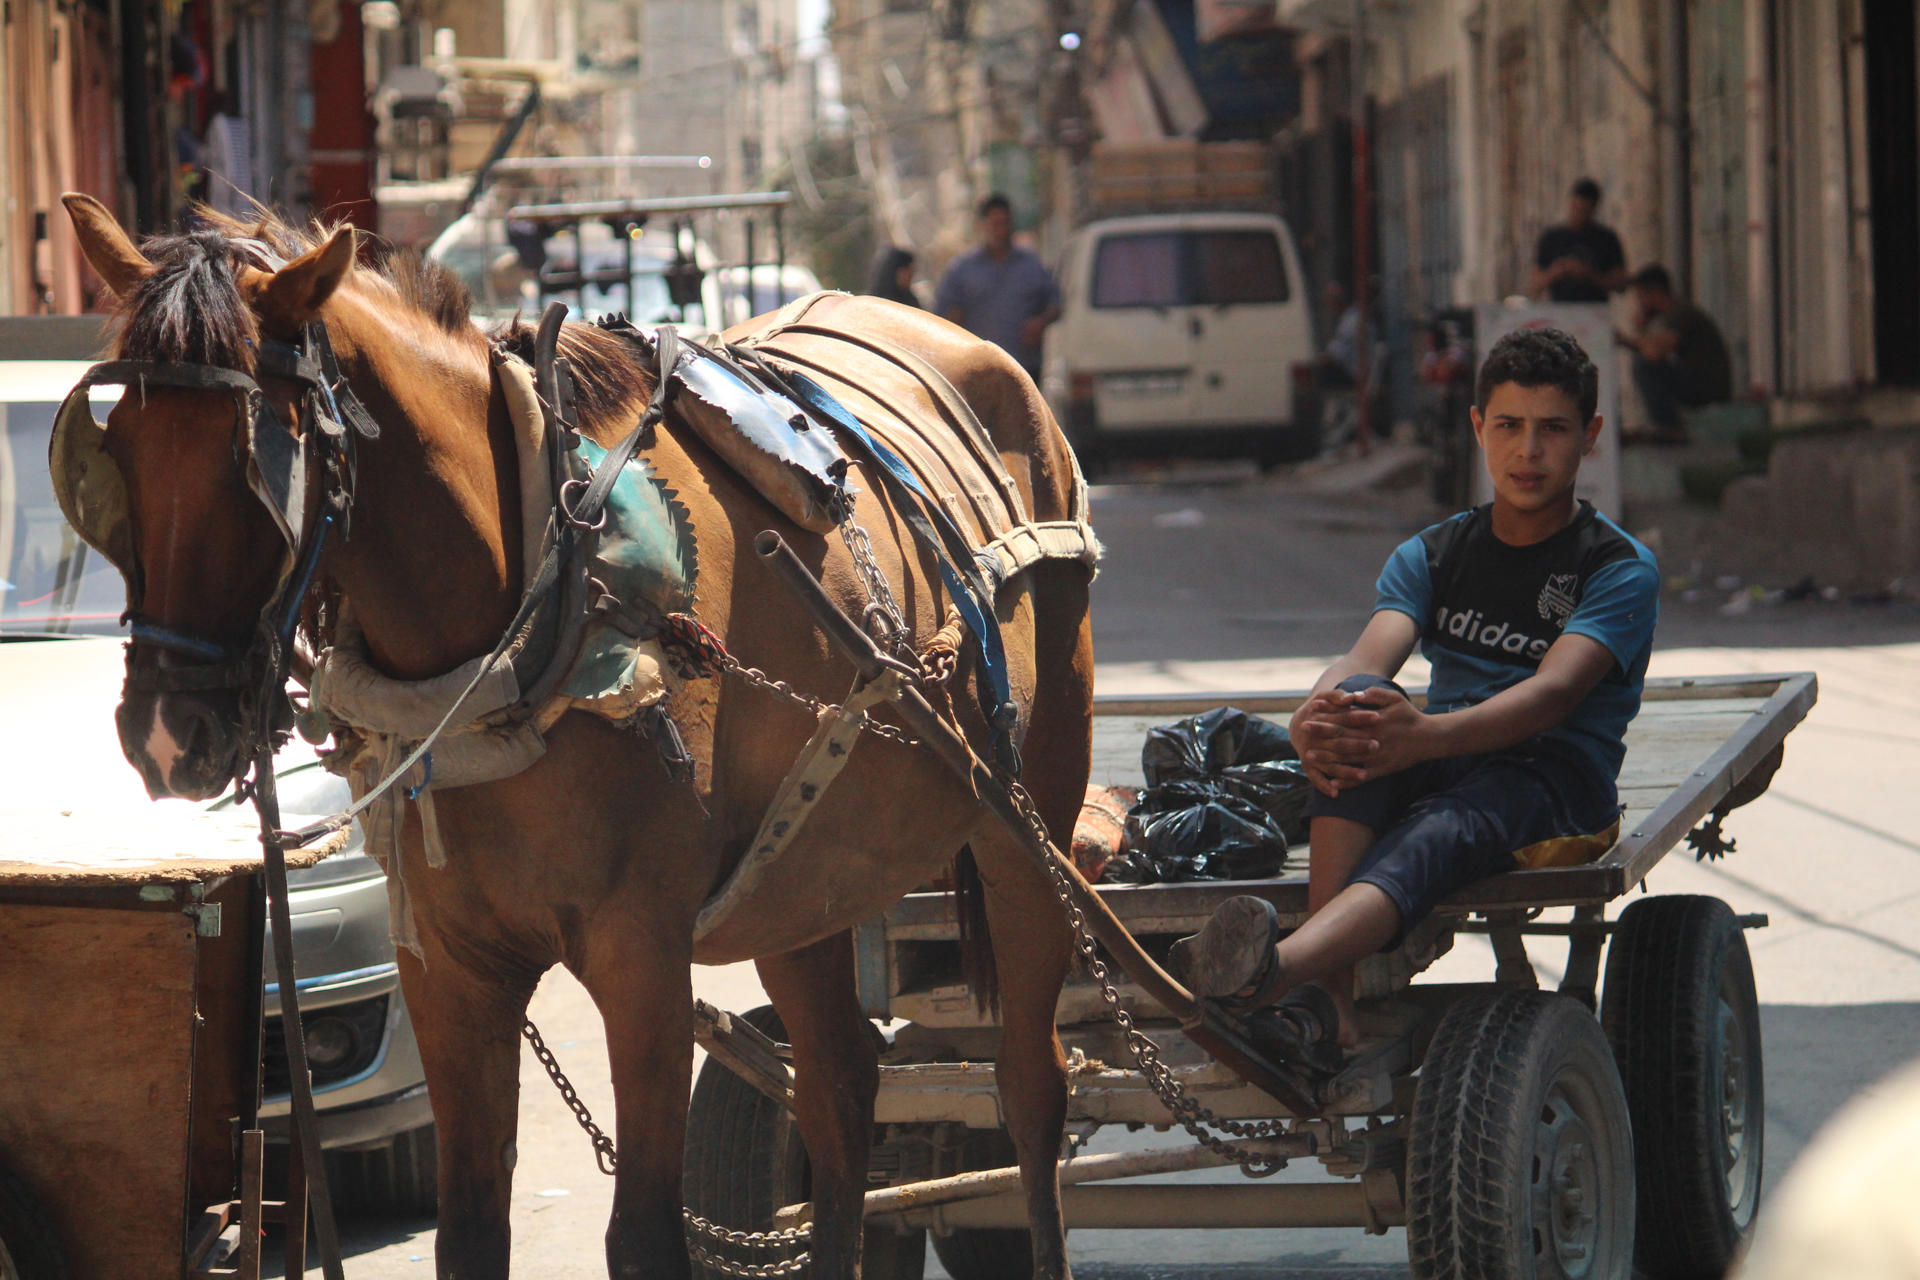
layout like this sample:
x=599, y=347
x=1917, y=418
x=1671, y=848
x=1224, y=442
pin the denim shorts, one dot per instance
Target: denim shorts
x=1443, y=824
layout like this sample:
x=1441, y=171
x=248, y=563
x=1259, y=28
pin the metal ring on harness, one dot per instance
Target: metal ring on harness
x=566, y=507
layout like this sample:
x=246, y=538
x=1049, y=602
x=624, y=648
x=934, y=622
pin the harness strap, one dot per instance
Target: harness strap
x=168, y=373
x=180, y=642
x=1028, y=541
x=951, y=403
x=562, y=539
x=797, y=797
x=932, y=527
x=1026, y=545
x=350, y=412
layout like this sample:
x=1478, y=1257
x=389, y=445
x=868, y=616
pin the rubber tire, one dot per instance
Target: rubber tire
x=400, y=1179
x=1474, y=1176
x=986, y=1253
x=1679, y=993
x=744, y=1159
x=29, y=1248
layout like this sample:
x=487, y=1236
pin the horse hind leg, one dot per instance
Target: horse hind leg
x=1032, y=943
x=835, y=1076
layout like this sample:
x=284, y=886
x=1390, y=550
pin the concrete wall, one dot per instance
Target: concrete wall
x=1844, y=508
x=1414, y=46
x=940, y=117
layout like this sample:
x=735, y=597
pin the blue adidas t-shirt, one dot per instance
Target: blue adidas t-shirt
x=1489, y=611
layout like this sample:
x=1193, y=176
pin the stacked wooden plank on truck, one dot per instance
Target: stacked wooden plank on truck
x=1177, y=173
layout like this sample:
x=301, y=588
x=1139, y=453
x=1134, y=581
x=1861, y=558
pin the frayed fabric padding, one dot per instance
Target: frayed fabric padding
x=496, y=738
x=1567, y=851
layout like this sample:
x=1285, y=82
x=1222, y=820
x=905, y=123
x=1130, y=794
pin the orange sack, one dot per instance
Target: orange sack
x=1100, y=834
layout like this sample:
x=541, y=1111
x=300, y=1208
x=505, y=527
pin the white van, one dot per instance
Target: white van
x=1185, y=330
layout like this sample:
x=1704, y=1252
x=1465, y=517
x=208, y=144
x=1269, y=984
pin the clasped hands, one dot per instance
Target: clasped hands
x=1346, y=738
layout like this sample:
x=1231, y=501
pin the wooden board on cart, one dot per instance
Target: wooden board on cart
x=124, y=996
x=1693, y=739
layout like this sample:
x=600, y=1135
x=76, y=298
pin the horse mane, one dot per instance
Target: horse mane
x=189, y=307
x=610, y=380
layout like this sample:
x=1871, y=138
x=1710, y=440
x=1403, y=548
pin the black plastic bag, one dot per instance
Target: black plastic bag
x=1224, y=801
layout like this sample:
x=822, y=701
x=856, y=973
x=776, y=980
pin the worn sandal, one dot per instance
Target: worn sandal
x=1302, y=1029
x=1231, y=959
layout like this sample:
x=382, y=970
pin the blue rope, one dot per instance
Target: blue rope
x=426, y=762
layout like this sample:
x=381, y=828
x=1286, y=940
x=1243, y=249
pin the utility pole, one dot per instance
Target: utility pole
x=1362, y=229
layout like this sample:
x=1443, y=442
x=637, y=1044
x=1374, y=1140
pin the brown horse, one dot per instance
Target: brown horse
x=595, y=857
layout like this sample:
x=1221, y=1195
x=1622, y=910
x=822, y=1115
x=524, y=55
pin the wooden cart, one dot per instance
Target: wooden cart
x=1504, y=1126
x=130, y=1017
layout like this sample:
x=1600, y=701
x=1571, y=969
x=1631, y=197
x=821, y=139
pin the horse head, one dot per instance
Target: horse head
x=203, y=552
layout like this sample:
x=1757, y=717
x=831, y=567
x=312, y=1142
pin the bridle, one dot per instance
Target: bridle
x=301, y=472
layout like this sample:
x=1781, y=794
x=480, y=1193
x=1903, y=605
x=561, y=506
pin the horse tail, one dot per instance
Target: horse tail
x=976, y=942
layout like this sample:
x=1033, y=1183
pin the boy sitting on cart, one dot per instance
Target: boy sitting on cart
x=1536, y=613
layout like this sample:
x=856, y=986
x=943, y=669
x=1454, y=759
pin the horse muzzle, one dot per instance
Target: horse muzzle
x=184, y=745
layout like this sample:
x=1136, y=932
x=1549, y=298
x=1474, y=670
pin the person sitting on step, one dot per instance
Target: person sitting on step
x=1679, y=359
x=1536, y=614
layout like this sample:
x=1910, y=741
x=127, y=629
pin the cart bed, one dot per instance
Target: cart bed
x=1694, y=739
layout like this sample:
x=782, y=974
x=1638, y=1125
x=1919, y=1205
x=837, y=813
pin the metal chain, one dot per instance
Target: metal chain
x=603, y=1153
x=937, y=666
x=792, y=1266
x=882, y=615
x=605, y=1157
x=760, y=679
x=747, y=1239
x=1192, y=1114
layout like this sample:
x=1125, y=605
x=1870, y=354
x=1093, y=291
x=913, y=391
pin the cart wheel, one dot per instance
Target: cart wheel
x=1684, y=1021
x=1520, y=1158
x=744, y=1159
x=29, y=1250
x=985, y=1253
x=400, y=1179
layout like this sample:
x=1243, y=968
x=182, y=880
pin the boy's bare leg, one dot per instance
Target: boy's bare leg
x=1358, y=922
x=1335, y=847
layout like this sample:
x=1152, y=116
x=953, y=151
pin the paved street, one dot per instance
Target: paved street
x=1239, y=583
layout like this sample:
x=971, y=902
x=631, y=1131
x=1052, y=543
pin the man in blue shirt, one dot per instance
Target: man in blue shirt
x=1000, y=291
x=1537, y=615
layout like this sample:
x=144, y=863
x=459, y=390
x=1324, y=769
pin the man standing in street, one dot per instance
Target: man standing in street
x=1580, y=260
x=1679, y=358
x=999, y=291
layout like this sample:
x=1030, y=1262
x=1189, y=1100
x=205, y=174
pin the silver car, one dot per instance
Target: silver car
x=369, y=1090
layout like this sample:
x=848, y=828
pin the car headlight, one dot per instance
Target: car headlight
x=330, y=1042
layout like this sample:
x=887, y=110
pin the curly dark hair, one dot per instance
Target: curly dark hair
x=1540, y=358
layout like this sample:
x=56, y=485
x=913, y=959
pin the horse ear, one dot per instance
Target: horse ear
x=297, y=291
x=107, y=247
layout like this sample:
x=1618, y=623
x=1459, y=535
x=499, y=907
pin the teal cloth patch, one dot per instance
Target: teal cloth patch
x=646, y=552
x=645, y=557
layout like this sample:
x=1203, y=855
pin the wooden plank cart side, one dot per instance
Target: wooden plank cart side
x=130, y=1022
